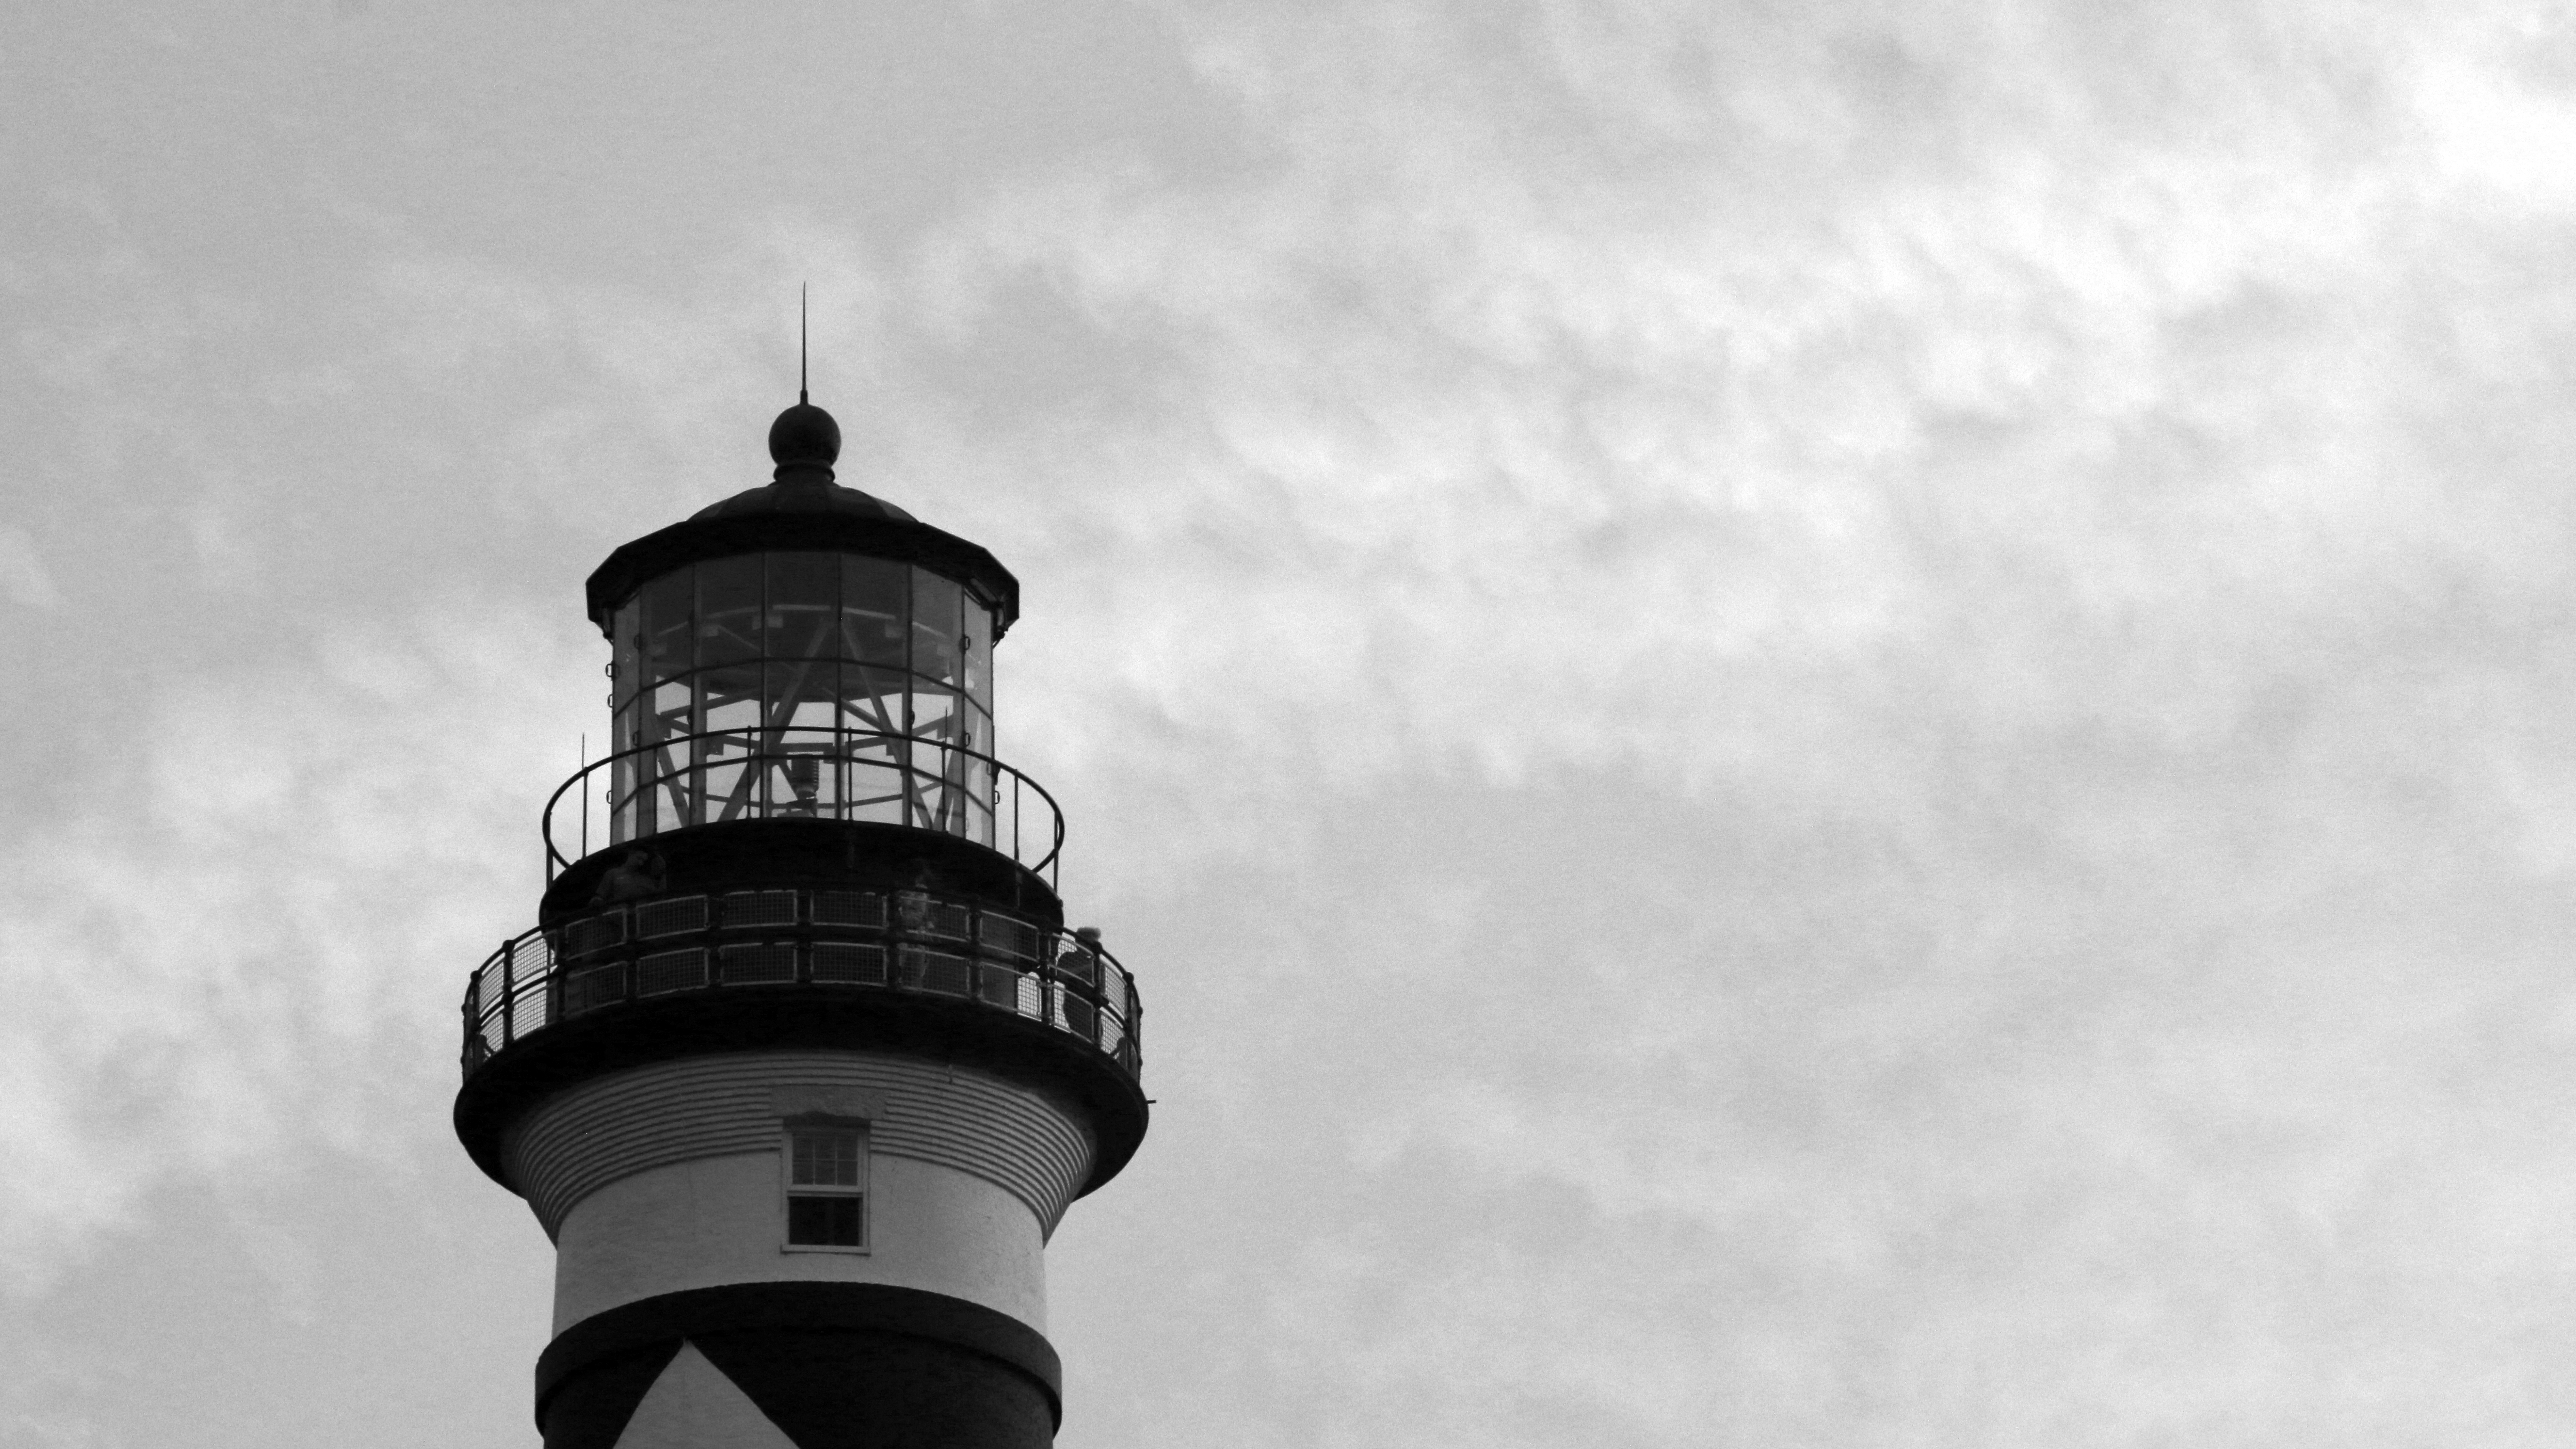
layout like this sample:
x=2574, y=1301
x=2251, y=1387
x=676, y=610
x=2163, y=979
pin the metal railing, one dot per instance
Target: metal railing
x=901, y=941
x=805, y=772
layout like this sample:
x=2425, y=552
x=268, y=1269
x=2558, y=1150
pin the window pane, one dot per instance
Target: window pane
x=937, y=781
x=625, y=653
x=825, y=1159
x=802, y=694
x=626, y=717
x=979, y=654
x=823, y=1222
x=873, y=595
x=804, y=598
x=729, y=610
x=871, y=745
x=871, y=700
x=935, y=714
x=668, y=625
x=936, y=624
x=801, y=706
x=729, y=696
x=669, y=714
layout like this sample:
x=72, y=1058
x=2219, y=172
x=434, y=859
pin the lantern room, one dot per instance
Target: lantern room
x=802, y=684
x=800, y=652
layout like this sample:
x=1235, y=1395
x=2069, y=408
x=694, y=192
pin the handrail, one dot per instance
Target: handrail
x=751, y=941
x=762, y=745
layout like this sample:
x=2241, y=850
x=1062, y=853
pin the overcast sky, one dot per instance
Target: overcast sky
x=1814, y=724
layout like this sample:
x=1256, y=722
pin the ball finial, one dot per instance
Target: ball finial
x=804, y=442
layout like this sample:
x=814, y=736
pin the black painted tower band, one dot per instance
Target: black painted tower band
x=834, y=1365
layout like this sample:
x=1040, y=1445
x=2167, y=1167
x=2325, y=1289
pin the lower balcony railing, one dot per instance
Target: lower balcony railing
x=901, y=941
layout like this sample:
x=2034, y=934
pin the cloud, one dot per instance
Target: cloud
x=1812, y=725
x=23, y=576
x=246, y=943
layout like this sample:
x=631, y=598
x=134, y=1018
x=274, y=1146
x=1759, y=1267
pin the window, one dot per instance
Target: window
x=827, y=1176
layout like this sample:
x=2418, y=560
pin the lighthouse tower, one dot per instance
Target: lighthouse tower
x=800, y=1066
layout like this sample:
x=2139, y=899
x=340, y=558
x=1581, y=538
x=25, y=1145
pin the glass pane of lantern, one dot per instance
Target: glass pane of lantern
x=871, y=746
x=871, y=700
x=729, y=610
x=936, y=623
x=938, y=775
x=804, y=604
x=803, y=697
x=979, y=801
x=668, y=625
x=626, y=711
x=873, y=596
x=979, y=654
x=728, y=785
x=729, y=698
x=668, y=711
x=626, y=652
x=934, y=713
x=801, y=701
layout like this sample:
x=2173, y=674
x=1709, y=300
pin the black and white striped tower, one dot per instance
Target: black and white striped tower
x=800, y=1066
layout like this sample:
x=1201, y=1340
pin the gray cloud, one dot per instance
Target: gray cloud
x=1815, y=727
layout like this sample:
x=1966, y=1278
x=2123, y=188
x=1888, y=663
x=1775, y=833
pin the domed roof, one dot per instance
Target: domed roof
x=803, y=508
x=804, y=442
x=826, y=497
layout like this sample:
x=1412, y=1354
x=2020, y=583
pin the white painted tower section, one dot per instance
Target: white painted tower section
x=669, y=1177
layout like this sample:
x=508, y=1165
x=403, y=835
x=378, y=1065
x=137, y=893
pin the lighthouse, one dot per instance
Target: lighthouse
x=800, y=1065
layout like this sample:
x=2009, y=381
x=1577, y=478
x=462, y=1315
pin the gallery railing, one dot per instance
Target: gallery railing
x=803, y=772
x=896, y=941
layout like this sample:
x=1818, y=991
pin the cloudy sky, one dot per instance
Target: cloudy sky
x=1815, y=724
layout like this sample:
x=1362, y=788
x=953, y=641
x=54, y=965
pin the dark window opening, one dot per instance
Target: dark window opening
x=823, y=1222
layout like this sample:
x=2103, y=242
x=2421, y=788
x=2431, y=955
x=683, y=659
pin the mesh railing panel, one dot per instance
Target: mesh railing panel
x=598, y=933
x=759, y=908
x=850, y=964
x=937, y=972
x=593, y=988
x=664, y=972
x=864, y=910
x=1001, y=936
x=674, y=917
x=997, y=986
x=758, y=965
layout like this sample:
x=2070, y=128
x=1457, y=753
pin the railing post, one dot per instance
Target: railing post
x=473, y=1027
x=509, y=991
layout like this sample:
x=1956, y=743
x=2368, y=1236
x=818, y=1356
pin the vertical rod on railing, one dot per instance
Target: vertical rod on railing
x=582, y=758
x=509, y=991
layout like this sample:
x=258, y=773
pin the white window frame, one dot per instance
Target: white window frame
x=790, y=1189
